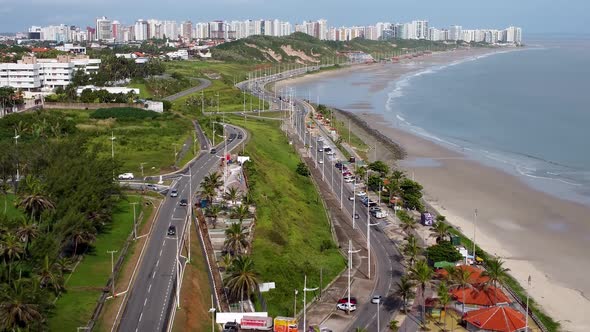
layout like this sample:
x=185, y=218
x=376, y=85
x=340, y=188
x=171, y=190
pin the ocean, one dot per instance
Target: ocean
x=525, y=111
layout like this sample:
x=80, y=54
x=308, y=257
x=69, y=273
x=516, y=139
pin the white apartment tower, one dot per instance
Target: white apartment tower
x=104, y=29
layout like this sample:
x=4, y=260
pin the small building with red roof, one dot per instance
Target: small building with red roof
x=476, y=278
x=498, y=319
x=481, y=297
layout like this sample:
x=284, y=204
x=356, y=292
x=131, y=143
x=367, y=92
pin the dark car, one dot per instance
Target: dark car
x=231, y=327
x=240, y=136
x=171, y=230
x=213, y=151
x=183, y=202
x=345, y=300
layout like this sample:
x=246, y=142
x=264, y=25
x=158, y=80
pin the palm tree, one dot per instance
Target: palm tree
x=32, y=199
x=412, y=249
x=496, y=272
x=441, y=231
x=408, y=225
x=214, y=180
x=232, y=195
x=50, y=276
x=241, y=212
x=242, y=280
x=444, y=298
x=226, y=261
x=208, y=192
x=394, y=325
x=27, y=231
x=18, y=307
x=236, y=238
x=4, y=189
x=213, y=212
x=405, y=290
x=63, y=264
x=81, y=235
x=361, y=172
x=422, y=274
x=461, y=278
x=11, y=249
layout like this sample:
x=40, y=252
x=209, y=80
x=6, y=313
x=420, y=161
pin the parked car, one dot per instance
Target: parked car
x=152, y=186
x=376, y=299
x=174, y=193
x=171, y=230
x=361, y=194
x=338, y=165
x=126, y=176
x=183, y=202
x=346, y=306
x=345, y=300
x=240, y=136
x=231, y=327
x=348, y=179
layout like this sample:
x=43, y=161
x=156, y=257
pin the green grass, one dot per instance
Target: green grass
x=144, y=92
x=11, y=211
x=292, y=234
x=74, y=308
x=149, y=141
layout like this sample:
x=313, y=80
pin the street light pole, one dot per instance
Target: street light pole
x=526, y=325
x=212, y=311
x=350, y=252
x=305, y=290
x=112, y=252
x=295, y=305
x=16, y=137
x=474, y=228
x=134, y=221
x=354, y=204
x=113, y=138
x=141, y=166
x=341, y=187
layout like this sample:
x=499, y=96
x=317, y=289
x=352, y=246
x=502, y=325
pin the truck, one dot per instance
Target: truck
x=285, y=324
x=256, y=323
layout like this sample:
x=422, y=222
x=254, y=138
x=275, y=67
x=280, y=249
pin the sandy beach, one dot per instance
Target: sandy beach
x=534, y=233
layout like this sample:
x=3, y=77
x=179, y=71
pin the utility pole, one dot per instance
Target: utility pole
x=354, y=204
x=113, y=138
x=112, y=252
x=16, y=137
x=295, y=305
x=134, y=221
x=141, y=166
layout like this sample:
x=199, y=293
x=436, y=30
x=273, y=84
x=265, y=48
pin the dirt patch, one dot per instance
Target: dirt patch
x=301, y=55
x=268, y=53
x=196, y=293
x=109, y=312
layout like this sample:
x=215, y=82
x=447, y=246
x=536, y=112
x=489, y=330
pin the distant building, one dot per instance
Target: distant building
x=109, y=89
x=70, y=48
x=104, y=29
x=34, y=74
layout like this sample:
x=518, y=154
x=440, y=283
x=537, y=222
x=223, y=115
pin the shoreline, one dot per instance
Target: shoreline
x=511, y=213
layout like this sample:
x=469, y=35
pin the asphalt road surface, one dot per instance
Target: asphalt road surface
x=204, y=84
x=150, y=299
x=386, y=260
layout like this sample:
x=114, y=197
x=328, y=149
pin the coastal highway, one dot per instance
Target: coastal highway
x=151, y=296
x=386, y=260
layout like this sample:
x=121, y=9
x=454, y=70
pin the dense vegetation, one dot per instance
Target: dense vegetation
x=121, y=113
x=62, y=212
x=273, y=49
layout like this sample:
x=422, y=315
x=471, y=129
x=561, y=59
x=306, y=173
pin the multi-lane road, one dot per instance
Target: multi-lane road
x=150, y=300
x=386, y=260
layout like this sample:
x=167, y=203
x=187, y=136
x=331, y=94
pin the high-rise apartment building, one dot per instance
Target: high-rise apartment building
x=141, y=30
x=104, y=29
x=186, y=30
x=455, y=32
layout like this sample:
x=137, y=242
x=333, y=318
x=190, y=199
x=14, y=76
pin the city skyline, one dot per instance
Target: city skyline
x=530, y=15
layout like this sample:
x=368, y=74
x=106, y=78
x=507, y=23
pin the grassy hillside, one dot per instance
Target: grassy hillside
x=302, y=48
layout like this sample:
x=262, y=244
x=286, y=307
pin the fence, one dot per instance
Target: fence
x=117, y=267
x=87, y=106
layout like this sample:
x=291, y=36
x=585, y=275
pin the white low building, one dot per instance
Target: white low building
x=109, y=89
x=70, y=48
x=32, y=74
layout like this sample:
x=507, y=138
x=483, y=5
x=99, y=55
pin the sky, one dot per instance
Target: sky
x=534, y=16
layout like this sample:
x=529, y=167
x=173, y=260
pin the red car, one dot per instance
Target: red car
x=345, y=300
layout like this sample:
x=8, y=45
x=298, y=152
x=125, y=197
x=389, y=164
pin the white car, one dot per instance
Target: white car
x=348, y=180
x=346, y=306
x=126, y=176
x=377, y=299
x=330, y=153
x=320, y=161
x=361, y=194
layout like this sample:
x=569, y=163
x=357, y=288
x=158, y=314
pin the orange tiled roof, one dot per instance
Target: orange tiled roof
x=501, y=319
x=475, y=279
x=487, y=297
